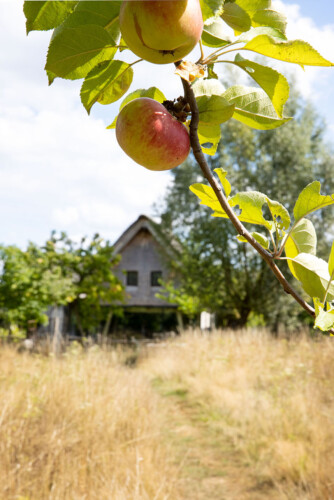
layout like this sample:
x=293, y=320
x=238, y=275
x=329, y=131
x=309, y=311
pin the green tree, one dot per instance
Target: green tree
x=90, y=265
x=226, y=276
x=29, y=285
x=60, y=272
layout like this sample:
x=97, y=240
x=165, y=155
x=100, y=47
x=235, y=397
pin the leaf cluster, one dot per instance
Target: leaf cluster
x=86, y=39
x=296, y=238
x=84, y=45
x=60, y=272
x=226, y=276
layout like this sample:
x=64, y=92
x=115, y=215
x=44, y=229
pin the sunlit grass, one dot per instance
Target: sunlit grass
x=272, y=399
x=82, y=427
x=218, y=416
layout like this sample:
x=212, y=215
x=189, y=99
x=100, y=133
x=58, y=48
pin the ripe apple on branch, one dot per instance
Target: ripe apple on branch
x=151, y=136
x=159, y=134
x=160, y=32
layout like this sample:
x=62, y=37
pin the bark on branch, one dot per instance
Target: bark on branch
x=240, y=228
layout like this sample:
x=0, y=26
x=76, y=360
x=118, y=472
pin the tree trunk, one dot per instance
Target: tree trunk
x=107, y=323
x=57, y=338
x=78, y=322
x=179, y=321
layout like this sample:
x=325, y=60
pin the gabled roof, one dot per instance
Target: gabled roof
x=144, y=222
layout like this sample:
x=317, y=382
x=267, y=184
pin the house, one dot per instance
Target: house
x=145, y=253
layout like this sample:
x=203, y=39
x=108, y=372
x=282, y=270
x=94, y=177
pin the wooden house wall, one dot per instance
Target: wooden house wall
x=142, y=254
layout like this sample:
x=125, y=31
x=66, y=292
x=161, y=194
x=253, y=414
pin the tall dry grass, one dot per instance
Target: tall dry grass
x=87, y=426
x=273, y=399
x=82, y=427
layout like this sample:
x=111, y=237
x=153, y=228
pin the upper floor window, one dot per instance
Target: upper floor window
x=131, y=278
x=155, y=278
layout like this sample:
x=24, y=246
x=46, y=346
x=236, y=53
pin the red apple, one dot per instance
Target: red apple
x=151, y=136
x=161, y=31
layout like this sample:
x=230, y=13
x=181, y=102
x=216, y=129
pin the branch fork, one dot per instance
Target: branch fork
x=240, y=228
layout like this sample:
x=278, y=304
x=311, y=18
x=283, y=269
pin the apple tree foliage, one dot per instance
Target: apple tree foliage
x=210, y=255
x=86, y=44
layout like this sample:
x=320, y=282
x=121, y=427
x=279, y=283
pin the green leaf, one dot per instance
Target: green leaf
x=268, y=17
x=209, y=137
x=250, y=205
x=297, y=51
x=331, y=262
x=214, y=109
x=279, y=214
x=206, y=195
x=51, y=77
x=310, y=200
x=122, y=45
x=324, y=319
x=302, y=239
x=253, y=13
x=236, y=17
x=214, y=33
x=221, y=173
x=100, y=13
x=262, y=30
x=211, y=73
x=46, y=15
x=273, y=83
x=252, y=6
x=318, y=305
x=211, y=8
x=76, y=51
x=253, y=107
x=207, y=87
x=313, y=274
x=260, y=238
x=106, y=83
x=152, y=92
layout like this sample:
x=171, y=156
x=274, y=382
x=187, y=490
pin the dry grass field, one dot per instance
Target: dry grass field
x=225, y=416
x=82, y=427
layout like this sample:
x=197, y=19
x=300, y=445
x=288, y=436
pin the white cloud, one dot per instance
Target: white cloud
x=314, y=82
x=56, y=163
x=65, y=217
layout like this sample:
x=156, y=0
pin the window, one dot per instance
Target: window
x=155, y=278
x=132, y=278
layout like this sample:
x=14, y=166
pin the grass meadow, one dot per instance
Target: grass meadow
x=223, y=416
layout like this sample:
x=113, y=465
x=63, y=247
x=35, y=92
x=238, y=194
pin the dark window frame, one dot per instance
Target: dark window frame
x=155, y=277
x=131, y=278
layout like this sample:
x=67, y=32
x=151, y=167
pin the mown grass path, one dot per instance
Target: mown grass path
x=209, y=466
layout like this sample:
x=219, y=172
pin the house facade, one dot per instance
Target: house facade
x=145, y=255
x=144, y=262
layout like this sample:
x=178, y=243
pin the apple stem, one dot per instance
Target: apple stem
x=135, y=62
x=240, y=228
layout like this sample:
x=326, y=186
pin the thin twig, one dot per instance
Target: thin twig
x=240, y=228
x=328, y=287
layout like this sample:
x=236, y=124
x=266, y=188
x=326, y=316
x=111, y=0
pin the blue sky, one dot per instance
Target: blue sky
x=321, y=11
x=61, y=169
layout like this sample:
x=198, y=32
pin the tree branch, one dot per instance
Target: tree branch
x=240, y=228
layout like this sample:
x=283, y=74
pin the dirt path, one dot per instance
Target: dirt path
x=210, y=467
